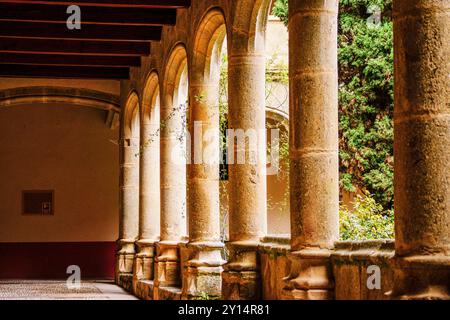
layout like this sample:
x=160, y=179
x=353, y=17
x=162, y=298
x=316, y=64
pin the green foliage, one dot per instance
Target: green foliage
x=366, y=99
x=368, y=220
x=280, y=9
x=276, y=70
x=223, y=113
x=366, y=96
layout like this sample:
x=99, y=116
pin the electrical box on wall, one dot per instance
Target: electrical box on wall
x=38, y=202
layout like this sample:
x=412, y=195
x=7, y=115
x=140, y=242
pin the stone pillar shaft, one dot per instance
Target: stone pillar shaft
x=149, y=209
x=173, y=193
x=204, y=205
x=313, y=124
x=129, y=205
x=202, y=273
x=422, y=141
x=173, y=172
x=149, y=200
x=314, y=171
x=247, y=179
x=129, y=189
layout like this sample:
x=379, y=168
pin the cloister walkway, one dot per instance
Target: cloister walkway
x=58, y=290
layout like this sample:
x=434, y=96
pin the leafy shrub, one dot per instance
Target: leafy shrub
x=367, y=221
x=366, y=99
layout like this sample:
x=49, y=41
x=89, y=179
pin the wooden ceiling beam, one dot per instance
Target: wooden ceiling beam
x=41, y=30
x=114, y=34
x=69, y=60
x=79, y=72
x=89, y=14
x=74, y=47
x=151, y=4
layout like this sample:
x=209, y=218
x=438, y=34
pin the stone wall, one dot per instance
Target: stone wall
x=350, y=261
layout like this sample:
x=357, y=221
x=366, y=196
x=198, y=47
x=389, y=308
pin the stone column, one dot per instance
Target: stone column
x=149, y=198
x=422, y=149
x=314, y=171
x=129, y=207
x=173, y=193
x=247, y=179
x=203, y=270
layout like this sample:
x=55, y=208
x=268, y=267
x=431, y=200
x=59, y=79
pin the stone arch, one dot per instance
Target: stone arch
x=249, y=25
x=73, y=96
x=131, y=117
x=151, y=97
x=173, y=145
x=208, y=44
x=149, y=172
x=204, y=115
x=278, y=116
x=129, y=183
x=176, y=66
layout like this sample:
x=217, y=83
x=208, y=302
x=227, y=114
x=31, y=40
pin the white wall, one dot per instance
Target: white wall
x=63, y=148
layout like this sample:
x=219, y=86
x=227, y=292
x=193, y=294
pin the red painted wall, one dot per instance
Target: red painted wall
x=50, y=260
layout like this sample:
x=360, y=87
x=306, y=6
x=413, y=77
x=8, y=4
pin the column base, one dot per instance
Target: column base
x=167, y=265
x=202, y=273
x=143, y=266
x=310, y=276
x=421, y=278
x=241, y=278
x=124, y=259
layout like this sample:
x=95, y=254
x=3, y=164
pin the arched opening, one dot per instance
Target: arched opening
x=150, y=161
x=131, y=117
x=209, y=113
x=59, y=162
x=277, y=121
x=268, y=38
x=173, y=121
x=149, y=182
x=129, y=184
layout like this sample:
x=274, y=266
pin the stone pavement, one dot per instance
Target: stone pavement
x=57, y=290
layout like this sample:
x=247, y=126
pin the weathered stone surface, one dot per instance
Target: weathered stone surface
x=422, y=159
x=314, y=266
x=350, y=268
x=314, y=170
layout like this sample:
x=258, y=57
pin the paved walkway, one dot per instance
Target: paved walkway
x=58, y=290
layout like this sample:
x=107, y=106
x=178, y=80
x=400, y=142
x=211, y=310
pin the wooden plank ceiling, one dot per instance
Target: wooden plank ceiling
x=114, y=34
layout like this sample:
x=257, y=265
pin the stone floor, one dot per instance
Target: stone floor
x=58, y=290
